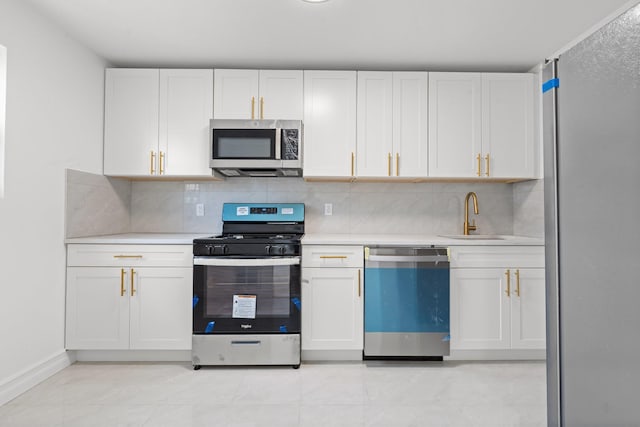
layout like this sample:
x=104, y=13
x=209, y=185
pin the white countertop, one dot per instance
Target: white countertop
x=404, y=239
x=139, y=239
x=314, y=239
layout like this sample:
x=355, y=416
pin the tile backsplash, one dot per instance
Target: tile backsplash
x=358, y=208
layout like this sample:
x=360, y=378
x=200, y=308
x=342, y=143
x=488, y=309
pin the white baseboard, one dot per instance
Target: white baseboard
x=497, y=355
x=33, y=376
x=331, y=355
x=133, y=355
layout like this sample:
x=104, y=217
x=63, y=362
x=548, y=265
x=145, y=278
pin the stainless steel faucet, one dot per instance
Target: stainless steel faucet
x=470, y=227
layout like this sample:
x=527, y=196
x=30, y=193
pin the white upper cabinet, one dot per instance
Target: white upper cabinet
x=258, y=94
x=410, y=116
x=375, y=123
x=392, y=124
x=157, y=121
x=186, y=106
x=131, y=121
x=481, y=125
x=507, y=125
x=455, y=124
x=329, y=123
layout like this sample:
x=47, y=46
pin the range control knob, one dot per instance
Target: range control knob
x=220, y=250
x=267, y=249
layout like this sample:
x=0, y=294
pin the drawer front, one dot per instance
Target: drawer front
x=129, y=255
x=497, y=257
x=332, y=256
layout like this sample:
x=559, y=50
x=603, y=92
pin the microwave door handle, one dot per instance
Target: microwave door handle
x=278, y=143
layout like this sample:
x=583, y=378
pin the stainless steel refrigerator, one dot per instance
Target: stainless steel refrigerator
x=591, y=117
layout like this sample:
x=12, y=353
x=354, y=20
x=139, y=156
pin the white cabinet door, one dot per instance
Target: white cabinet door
x=97, y=308
x=332, y=314
x=329, y=123
x=507, y=125
x=161, y=309
x=410, y=143
x=375, y=119
x=528, y=325
x=131, y=122
x=480, y=311
x=455, y=124
x=281, y=95
x=235, y=94
x=186, y=106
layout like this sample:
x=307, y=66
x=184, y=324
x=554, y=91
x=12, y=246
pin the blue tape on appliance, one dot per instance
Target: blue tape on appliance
x=447, y=338
x=283, y=328
x=209, y=327
x=550, y=84
x=195, y=300
x=296, y=302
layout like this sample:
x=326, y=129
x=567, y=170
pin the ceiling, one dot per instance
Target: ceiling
x=442, y=35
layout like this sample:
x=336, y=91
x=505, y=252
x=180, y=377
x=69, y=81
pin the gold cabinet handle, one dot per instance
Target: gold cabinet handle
x=359, y=290
x=488, y=172
x=261, y=108
x=397, y=164
x=161, y=163
x=508, y=274
x=479, y=158
x=253, y=107
x=518, y=282
x=152, y=169
x=122, y=290
x=333, y=257
x=389, y=164
x=127, y=256
x=133, y=290
x=353, y=161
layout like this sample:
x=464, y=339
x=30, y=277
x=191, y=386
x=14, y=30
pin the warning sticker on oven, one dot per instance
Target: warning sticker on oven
x=242, y=210
x=244, y=307
x=287, y=211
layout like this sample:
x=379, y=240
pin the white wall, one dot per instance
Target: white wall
x=54, y=121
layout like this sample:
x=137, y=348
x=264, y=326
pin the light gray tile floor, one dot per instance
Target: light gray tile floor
x=380, y=394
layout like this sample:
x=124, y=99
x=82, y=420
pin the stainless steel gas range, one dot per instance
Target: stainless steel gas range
x=246, y=287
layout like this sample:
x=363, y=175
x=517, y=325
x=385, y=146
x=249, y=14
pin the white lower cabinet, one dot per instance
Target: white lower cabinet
x=128, y=306
x=332, y=301
x=496, y=304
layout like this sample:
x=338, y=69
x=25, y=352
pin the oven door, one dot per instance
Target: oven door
x=246, y=295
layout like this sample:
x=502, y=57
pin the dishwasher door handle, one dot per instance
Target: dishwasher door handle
x=409, y=258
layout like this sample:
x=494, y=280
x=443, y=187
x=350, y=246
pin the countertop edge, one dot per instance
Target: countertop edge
x=392, y=239
x=138, y=239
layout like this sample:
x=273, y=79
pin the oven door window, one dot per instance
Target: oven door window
x=232, y=144
x=249, y=299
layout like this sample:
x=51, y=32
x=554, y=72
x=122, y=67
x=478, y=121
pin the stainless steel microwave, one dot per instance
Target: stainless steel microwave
x=256, y=148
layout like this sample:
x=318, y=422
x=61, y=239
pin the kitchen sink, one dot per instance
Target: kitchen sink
x=474, y=237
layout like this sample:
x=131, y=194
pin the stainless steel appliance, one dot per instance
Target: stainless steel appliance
x=406, y=302
x=591, y=111
x=246, y=287
x=256, y=148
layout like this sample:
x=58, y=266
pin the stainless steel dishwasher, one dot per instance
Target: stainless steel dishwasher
x=406, y=302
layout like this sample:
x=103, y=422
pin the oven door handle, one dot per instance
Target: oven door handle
x=245, y=262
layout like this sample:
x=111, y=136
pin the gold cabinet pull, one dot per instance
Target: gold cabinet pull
x=152, y=169
x=127, y=256
x=353, y=161
x=333, y=257
x=488, y=172
x=508, y=274
x=479, y=158
x=122, y=290
x=133, y=290
x=253, y=107
x=161, y=163
x=262, y=108
x=397, y=164
x=359, y=291
x=389, y=164
x=518, y=282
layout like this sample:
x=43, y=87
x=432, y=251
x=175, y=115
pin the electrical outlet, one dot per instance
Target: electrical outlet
x=200, y=209
x=328, y=208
